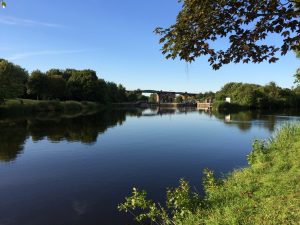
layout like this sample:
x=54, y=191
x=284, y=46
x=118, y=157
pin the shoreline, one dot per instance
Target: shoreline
x=24, y=107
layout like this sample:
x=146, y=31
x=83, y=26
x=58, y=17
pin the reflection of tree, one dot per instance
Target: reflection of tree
x=85, y=129
x=186, y=109
x=245, y=120
x=12, y=139
x=166, y=111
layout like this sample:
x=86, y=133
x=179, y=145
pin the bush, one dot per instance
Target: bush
x=227, y=107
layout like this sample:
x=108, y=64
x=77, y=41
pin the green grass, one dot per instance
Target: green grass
x=266, y=192
x=27, y=106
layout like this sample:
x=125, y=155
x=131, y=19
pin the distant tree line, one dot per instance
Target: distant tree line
x=84, y=85
x=68, y=84
x=269, y=96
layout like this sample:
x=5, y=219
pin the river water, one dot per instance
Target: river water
x=69, y=170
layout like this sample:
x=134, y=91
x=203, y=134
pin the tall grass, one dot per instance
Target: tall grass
x=266, y=192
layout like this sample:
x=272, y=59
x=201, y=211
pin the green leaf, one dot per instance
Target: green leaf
x=3, y=4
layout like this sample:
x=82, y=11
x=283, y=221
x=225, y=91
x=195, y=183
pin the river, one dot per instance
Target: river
x=69, y=170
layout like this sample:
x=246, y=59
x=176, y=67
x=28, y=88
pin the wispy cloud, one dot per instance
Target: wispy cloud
x=41, y=53
x=27, y=22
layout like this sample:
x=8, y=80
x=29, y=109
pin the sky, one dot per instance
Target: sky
x=115, y=38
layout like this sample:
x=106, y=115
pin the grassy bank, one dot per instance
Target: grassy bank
x=222, y=106
x=266, y=192
x=23, y=107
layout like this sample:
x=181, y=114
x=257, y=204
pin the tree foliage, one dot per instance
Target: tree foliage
x=82, y=85
x=72, y=84
x=3, y=4
x=205, y=95
x=153, y=98
x=12, y=80
x=297, y=77
x=37, y=84
x=56, y=87
x=257, y=96
x=45, y=86
x=179, y=99
x=246, y=24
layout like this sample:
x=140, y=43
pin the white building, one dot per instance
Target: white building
x=228, y=100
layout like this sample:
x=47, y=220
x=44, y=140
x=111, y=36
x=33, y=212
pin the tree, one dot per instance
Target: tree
x=37, y=84
x=179, y=99
x=143, y=98
x=132, y=96
x=13, y=80
x=272, y=90
x=153, y=98
x=242, y=94
x=56, y=87
x=55, y=72
x=66, y=74
x=136, y=95
x=101, y=94
x=121, y=93
x=82, y=85
x=3, y=4
x=297, y=77
x=112, y=90
x=244, y=23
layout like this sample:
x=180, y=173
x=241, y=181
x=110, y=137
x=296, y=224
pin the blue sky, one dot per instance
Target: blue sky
x=116, y=39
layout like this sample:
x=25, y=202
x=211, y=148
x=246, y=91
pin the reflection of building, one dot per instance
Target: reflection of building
x=228, y=99
x=228, y=118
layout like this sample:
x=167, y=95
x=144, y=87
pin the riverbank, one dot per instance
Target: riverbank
x=221, y=106
x=267, y=192
x=23, y=107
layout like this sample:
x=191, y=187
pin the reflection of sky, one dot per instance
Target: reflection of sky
x=147, y=152
x=79, y=207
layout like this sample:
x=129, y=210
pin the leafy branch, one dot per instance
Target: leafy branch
x=244, y=24
x=3, y=4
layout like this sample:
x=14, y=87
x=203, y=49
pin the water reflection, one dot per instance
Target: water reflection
x=55, y=128
x=247, y=119
x=87, y=128
x=69, y=172
x=12, y=139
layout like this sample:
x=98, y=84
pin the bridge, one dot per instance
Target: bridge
x=167, y=94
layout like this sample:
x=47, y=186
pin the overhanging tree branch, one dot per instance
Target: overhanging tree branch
x=201, y=22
